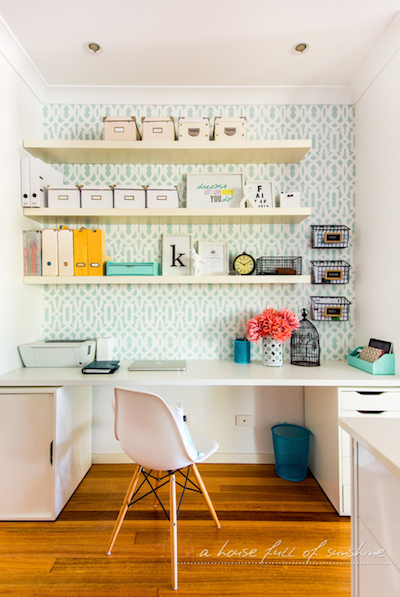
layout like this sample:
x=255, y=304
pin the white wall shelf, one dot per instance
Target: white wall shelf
x=267, y=215
x=169, y=152
x=182, y=280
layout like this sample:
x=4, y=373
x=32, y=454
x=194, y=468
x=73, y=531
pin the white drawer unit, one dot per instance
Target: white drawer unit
x=45, y=449
x=329, y=459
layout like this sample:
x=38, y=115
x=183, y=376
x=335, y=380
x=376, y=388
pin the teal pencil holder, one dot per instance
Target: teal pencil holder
x=242, y=351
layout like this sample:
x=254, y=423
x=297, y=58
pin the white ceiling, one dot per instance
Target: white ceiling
x=185, y=43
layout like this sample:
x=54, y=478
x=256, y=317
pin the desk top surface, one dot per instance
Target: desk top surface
x=206, y=373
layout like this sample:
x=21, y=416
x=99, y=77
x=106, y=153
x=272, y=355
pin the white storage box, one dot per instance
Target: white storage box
x=64, y=197
x=128, y=197
x=120, y=128
x=230, y=130
x=96, y=197
x=194, y=130
x=290, y=199
x=158, y=129
x=162, y=197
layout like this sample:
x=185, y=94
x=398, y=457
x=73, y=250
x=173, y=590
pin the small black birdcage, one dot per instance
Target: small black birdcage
x=304, y=344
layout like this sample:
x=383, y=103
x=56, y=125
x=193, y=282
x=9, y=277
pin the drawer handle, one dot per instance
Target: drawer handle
x=371, y=412
x=367, y=393
x=230, y=131
x=193, y=132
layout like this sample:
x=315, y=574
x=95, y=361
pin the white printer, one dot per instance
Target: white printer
x=58, y=353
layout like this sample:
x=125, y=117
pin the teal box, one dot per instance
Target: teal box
x=242, y=351
x=132, y=269
x=383, y=366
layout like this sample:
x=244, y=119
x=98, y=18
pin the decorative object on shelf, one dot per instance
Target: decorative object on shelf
x=281, y=266
x=120, y=128
x=114, y=268
x=247, y=200
x=214, y=256
x=304, y=344
x=214, y=190
x=194, y=130
x=330, y=272
x=291, y=199
x=329, y=236
x=273, y=327
x=162, y=197
x=229, y=130
x=244, y=264
x=196, y=262
x=385, y=365
x=260, y=194
x=241, y=351
x=158, y=129
x=326, y=308
x=176, y=254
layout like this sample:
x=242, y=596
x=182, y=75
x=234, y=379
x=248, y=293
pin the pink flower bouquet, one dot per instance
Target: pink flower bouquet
x=278, y=325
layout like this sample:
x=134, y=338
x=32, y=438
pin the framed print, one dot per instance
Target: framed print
x=214, y=190
x=214, y=257
x=260, y=193
x=176, y=254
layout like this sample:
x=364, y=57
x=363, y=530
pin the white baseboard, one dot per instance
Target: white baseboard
x=219, y=457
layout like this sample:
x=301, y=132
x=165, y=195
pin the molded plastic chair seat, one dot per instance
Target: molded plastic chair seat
x=149, y=434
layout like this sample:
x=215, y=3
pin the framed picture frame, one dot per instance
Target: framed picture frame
x=260, y=193
x=214, y=190
x=214, y=257
x=176, y=254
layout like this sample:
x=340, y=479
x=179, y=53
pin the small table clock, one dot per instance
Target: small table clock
x=244, y=264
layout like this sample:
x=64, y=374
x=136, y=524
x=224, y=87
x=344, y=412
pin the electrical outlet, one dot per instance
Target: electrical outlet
x=243, y=420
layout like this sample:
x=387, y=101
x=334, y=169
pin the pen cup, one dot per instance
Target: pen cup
x=242, y=351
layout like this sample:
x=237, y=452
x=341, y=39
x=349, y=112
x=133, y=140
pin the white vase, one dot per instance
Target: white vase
x=272, y=352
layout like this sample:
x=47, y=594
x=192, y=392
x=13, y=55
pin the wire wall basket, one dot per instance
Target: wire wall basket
x=284, y=266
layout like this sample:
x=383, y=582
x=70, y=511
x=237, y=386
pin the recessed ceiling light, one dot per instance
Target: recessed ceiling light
x=93, y=47
x=300, y=48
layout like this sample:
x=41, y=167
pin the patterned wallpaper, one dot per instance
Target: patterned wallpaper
x=193, y=321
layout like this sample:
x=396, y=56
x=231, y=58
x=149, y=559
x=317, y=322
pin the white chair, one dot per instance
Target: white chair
x=149, y=434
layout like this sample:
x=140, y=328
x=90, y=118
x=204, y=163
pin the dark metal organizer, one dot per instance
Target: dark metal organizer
x=329, y=236
x=278, y=266
x=330, y=272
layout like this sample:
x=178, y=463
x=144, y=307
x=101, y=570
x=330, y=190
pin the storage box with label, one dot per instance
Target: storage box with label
x=96, y=197
x=64, y=196
x=132, y=269
x=194, y=130
x=120, y=128
x=158, y=129
x=230, y=130
x=130, y=197
x=162, y=197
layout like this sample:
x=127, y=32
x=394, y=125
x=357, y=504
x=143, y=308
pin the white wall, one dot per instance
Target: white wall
x=20, y=307
x=378, y=209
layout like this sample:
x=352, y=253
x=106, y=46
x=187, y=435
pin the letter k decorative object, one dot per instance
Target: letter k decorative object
x=176, y=251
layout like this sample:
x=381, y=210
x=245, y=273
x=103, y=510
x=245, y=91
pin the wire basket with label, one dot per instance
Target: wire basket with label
x=330, y=272
x=328, y=308
x=329, y=236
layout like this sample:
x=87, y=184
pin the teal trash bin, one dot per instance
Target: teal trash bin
x=291, y=445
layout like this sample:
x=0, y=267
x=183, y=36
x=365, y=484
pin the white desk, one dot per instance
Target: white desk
x=207, y=373
x=220, y=381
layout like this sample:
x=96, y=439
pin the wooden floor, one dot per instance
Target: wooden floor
x=277, y=538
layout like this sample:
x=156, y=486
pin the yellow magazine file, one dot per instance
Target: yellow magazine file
x=81, y=252
x=97, y=257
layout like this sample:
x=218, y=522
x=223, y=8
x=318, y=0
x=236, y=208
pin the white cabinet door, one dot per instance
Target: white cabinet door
x=26, y=442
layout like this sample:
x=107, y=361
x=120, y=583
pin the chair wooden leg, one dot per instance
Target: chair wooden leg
x=205, y=495
x=124, y=508
x=173, y=531
x=158, y=475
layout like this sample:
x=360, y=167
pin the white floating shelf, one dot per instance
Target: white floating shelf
x=182, y=280
x=267, y=215
x=168, y=152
